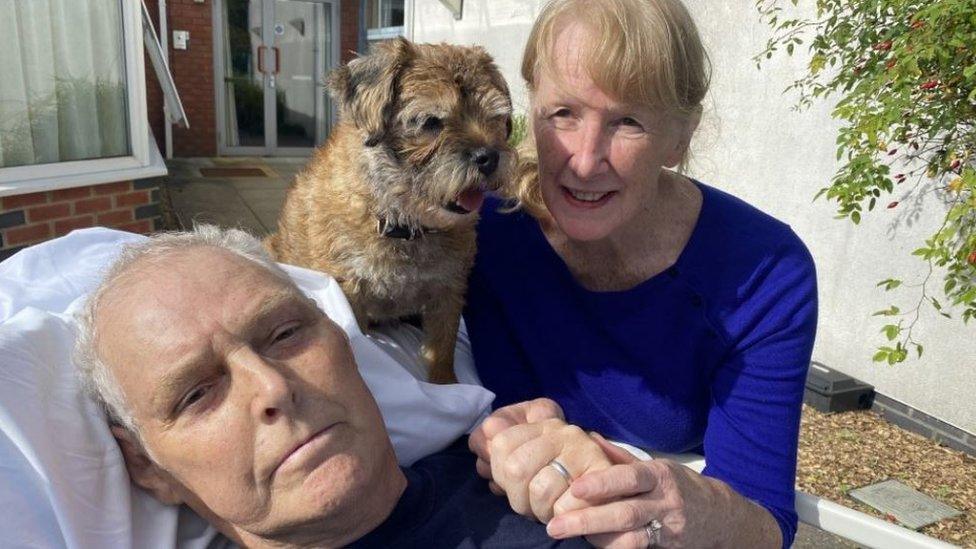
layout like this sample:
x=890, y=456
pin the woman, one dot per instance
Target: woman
x=653, y=309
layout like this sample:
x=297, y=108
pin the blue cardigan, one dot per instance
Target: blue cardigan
x=709, y=356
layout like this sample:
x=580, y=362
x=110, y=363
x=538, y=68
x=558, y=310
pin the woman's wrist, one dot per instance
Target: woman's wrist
x=750, y=524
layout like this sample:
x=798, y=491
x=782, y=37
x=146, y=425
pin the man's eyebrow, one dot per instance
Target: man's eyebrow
x=270, y=305
x=176, y=378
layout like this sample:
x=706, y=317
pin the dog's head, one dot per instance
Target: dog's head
x=434, y=122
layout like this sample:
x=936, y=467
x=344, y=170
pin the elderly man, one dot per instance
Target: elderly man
x=231, y=392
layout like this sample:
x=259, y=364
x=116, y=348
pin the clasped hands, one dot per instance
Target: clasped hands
x=611, y=497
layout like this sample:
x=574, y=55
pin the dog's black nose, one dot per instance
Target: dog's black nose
x=486, y=159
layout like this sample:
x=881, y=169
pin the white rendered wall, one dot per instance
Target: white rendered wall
x=755, y=146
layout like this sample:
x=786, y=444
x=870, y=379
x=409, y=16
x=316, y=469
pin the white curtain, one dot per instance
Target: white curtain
x=62, y=81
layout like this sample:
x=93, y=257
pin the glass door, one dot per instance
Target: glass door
x=276, y=54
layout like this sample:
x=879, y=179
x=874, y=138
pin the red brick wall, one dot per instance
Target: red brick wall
x=194, y=76
x=193, y=73
x=154, y=93
x=348, y=29
x=31, y=218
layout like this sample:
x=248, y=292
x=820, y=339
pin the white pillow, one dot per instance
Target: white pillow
x=62, y=479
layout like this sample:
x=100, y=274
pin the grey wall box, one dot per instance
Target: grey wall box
x=828, y=390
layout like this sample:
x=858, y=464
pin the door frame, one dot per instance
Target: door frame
x=270, y=147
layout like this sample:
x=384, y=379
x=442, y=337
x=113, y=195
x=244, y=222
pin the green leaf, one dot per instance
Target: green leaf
x=889, y=284
x=891, y=311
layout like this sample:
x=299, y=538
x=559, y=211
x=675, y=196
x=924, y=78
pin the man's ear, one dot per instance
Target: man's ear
x=366, y=87
x=143, y=471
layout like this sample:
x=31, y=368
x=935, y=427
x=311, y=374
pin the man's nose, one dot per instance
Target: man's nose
x=590, y=154
x=272, y=394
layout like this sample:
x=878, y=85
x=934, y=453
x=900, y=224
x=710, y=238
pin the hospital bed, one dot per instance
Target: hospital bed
x=62, y=479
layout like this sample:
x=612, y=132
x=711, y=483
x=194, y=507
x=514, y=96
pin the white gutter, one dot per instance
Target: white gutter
x=164, y=39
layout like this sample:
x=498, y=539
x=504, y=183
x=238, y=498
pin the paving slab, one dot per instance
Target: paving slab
x=811, y=537
x=203, y=201
x=249, y=203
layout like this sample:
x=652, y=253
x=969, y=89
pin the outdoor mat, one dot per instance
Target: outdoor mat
x=233, y=171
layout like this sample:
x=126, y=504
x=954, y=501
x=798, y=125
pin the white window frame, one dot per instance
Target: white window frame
x=144, y=160
x=387, y=33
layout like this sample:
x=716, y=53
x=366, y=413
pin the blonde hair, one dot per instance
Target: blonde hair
x=644, y=52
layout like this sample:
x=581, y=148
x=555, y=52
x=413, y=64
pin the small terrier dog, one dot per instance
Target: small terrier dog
x=389, y=205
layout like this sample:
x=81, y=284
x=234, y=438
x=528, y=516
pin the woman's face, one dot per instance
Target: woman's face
x=599, y=159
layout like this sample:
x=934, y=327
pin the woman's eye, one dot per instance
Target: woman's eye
x=628, y=121
x=561, y=113
x=432, y=124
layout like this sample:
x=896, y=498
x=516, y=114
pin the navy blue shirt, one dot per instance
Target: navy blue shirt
x=446, y=504
x=709, y=356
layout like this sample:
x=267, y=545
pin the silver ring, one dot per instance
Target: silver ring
x=561, y=469
x=653, y=530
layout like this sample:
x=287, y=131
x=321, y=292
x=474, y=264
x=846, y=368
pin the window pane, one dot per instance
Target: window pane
x=373, y=14
x=392, y=13
x=384, y=13
x=244, y=83
x=63, y=92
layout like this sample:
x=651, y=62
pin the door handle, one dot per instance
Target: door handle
x=261, y=59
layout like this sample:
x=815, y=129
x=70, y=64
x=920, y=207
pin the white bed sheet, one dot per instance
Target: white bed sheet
x=62, y=479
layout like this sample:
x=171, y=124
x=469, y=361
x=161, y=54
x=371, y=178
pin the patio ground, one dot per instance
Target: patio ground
x=253, y=203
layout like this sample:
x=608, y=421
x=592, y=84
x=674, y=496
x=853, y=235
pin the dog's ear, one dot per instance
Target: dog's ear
x=366, y=88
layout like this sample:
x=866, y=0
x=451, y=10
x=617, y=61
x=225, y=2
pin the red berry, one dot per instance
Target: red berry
x=931, y=84
x=883, y=46
x=972, y=258
x=893, y=205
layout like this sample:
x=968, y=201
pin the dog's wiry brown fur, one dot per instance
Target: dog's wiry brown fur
x=419, y=128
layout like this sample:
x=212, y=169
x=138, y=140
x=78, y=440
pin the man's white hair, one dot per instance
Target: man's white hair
x=96, y=377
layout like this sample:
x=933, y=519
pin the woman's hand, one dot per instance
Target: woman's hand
x=521, y=459
x=500, y=420
x=621, y=501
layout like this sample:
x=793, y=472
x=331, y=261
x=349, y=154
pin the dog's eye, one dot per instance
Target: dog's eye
x=432, y=124
x=508, y=127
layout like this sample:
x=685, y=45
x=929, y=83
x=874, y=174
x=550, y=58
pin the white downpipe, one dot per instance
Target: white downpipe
x=865, y=530
x=164, y=39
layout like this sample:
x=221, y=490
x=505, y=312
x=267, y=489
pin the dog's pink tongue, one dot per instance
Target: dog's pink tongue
x=471, y=199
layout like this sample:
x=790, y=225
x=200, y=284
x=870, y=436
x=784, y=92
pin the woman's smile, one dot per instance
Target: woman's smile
x=587, y=199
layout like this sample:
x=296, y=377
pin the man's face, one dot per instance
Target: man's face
x=246, y=395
